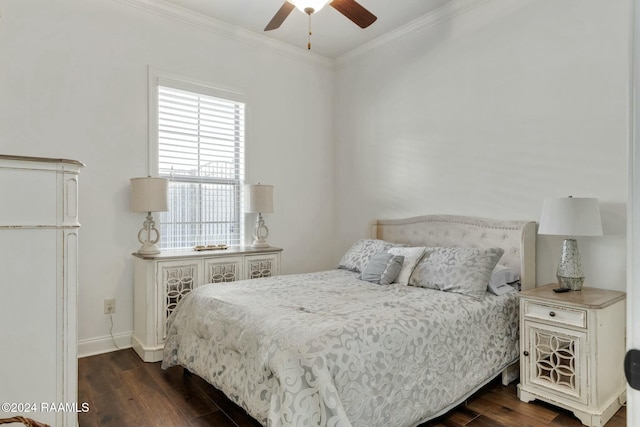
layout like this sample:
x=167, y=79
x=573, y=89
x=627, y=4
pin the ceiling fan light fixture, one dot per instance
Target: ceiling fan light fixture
x=305, y=5
x=349, y=8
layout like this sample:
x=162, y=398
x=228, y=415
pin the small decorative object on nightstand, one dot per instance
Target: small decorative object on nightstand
x=259, y=199
x=572, y=348
x=570, y=216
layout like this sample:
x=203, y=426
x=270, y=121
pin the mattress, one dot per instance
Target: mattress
x=329, y=349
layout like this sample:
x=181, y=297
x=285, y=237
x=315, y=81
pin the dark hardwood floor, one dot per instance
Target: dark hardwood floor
x=121, y=391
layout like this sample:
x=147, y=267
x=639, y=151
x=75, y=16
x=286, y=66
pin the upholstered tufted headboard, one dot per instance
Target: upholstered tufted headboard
x=516, y=238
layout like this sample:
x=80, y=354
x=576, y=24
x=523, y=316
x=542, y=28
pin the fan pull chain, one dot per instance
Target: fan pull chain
x=309, y=41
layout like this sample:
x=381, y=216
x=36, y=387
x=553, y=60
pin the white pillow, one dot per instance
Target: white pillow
x=411, y=258
x=501, y=278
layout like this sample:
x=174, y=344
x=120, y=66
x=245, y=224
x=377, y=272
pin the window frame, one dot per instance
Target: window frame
x=158, y=78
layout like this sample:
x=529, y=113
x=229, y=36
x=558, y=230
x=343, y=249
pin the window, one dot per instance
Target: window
x=200, y=149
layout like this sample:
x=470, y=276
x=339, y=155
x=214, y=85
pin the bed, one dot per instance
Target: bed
x=330, y=349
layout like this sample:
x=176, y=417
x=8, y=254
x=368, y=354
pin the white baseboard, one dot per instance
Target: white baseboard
x=105, y=344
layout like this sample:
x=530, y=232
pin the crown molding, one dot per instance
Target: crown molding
x=223, y=29
x=413, y=28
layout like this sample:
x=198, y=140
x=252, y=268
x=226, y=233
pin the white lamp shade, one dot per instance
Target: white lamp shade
x=571, y=216
x=316, y=5
x=149, y=194
x=258, y=198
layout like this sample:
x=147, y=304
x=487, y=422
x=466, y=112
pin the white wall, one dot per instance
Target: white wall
x=488, y=114
x=73, y=84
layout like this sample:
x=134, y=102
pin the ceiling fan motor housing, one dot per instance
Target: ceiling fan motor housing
x=306, y=5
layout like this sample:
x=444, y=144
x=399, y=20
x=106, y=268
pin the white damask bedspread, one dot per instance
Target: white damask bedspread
x=327, y=349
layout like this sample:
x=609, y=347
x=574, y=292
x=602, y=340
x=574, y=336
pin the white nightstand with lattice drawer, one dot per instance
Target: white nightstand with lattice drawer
x=572, y=348
x=160, y=281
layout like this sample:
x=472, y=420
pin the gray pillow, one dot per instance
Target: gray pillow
x=358, y=256
x=462, y=270
x=383, y=268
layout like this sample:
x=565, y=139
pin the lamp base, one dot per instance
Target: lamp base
x=573, y=283
x=569, y=272
x=148, y=249
x=260, y=233
x=148, y=244
x=260, y=243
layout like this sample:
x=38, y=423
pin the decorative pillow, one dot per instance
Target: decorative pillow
x=501, y=280
x=411, y=258
x=383, y=268
x=357, y=258
x=462, y=270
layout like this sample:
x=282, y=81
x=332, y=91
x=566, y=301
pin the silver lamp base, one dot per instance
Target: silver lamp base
x=573, y=283
x=569, y=274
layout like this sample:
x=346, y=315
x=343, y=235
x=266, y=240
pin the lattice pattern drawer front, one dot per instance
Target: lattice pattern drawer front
x=177, y=281
x=260, y=268
x=560, y=315
x=257, y=266
x=557, y=362
x=556, y=359
x=218, y=272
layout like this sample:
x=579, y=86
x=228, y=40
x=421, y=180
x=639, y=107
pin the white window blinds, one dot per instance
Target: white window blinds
x=201, y=151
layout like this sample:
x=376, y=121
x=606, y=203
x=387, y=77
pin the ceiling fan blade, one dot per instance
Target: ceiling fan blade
x=355, y=12
x=280, y=16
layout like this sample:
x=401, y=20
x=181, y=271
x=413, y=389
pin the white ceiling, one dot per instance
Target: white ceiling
x=333, y=34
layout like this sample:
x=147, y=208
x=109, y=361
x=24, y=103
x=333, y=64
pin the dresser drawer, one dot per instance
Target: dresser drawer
x=555, y=314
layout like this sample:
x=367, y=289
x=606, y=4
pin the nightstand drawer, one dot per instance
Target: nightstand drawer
x=556, y=314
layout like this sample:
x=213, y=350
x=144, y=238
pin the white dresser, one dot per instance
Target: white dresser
x=572, y=351
x=160, y=281
x=38, y=309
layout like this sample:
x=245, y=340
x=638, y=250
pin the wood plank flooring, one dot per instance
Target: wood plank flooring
x=124, y=391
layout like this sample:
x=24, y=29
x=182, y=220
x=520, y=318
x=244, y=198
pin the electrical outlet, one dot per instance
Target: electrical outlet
x=109, y=306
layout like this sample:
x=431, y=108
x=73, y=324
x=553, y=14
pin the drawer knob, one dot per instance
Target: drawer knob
x=552, y=313
x=526, y=353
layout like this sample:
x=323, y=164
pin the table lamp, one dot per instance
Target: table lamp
x=149, y=194
x=570, y=216
x=259, y=199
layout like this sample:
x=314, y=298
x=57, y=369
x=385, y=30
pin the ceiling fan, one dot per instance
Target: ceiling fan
x=349, y=8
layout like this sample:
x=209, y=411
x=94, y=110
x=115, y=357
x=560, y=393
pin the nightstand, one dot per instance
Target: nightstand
x=572, y=348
